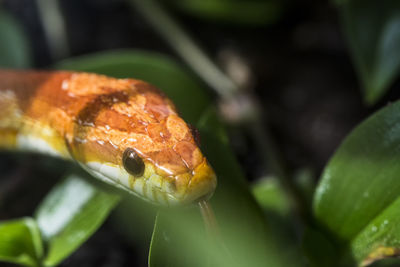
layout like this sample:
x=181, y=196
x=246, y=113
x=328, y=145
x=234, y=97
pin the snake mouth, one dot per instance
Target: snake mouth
x=183, y=189
x=202, y=184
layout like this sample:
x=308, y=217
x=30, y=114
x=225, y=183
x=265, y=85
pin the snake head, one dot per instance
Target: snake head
x=175, y=172
x=133, y=137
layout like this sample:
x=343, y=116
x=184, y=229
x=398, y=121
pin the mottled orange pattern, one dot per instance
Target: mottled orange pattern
x=98, y=117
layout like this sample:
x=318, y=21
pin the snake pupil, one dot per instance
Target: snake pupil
x=132, y=162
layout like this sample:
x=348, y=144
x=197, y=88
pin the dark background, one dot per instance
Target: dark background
x=300, y=68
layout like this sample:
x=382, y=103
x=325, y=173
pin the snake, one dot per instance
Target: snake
x=125, y=132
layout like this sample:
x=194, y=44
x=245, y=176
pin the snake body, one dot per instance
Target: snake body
x=122, y=131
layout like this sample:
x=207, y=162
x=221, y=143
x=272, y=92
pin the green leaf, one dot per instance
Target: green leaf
x=155, y=68
x=181, y=231
x=154, y=245
x=20, y=242
x=271, y=196
x=357, y=200
x=251, y=12
x=14, y=46
x=70, y=214
x=372, y=28
x=275, y=203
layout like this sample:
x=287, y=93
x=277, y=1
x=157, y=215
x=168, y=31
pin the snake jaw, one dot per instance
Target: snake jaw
x=181, y=189
x=202, y=184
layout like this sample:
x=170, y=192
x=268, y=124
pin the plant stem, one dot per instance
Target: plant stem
x=185, y=47
x=54, y=27
x=272, y=156
x=227, y=91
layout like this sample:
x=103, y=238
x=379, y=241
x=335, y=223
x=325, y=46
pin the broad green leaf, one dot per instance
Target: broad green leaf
x=252, y=12
x=20, y=242
x=357, y=200
x=182, y=231
x=372, y=28
x=155, y=68
x=70, y=214
x=14, y=46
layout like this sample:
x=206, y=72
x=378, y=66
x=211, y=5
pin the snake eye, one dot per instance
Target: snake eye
x=132, y=162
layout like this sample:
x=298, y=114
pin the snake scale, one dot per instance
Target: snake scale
x=125, y=132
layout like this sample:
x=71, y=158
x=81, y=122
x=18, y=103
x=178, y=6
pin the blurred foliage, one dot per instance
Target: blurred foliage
x=14, y=46
x=70, y=214
x=20, y=242
x=372, y=29
x=319, y=248
x=67, y=217
x=246, y=237
x=355, y=207
x=357, y=199
x=389, y=262
x=245, y=12
x=271, y=196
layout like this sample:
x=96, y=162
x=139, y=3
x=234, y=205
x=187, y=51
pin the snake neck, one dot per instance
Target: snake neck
x=27, y=101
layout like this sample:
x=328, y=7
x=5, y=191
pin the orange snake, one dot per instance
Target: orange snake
x=122, y=131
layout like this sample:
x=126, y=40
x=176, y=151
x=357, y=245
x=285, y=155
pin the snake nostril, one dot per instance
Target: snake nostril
x=196, y=134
